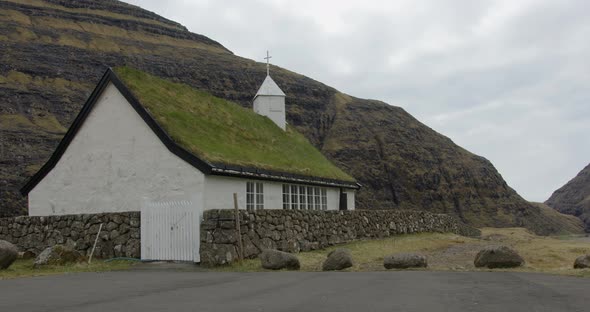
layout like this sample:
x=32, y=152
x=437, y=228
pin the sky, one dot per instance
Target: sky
x=507, y=80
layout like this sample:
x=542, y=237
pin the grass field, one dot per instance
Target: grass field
x=24, y=268
x=554, y=255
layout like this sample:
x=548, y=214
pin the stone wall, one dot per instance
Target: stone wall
x=296, y=230
x=119, y=237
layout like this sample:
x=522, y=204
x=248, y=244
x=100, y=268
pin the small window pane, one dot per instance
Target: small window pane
x=316, y=192
x=294, y=197
x=310, y=198
x=286, y=197
x=249, y=201
x=302, y=198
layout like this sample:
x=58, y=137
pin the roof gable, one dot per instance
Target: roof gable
x=193, y=125
x=269, y=87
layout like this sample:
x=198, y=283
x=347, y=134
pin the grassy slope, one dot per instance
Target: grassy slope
x=553, y=255
x=223, y=132
x=563, y=224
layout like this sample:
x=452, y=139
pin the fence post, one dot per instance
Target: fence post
x=94, y=246
x=238, y=229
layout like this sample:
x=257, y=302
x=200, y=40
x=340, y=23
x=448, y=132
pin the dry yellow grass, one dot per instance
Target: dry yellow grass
x=553, y=255
x=43, y=4
x=544, y=253
x=24, y=268
x=22, y=81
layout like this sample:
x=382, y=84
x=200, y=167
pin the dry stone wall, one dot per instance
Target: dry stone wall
x=296, y=230
x=119, y=237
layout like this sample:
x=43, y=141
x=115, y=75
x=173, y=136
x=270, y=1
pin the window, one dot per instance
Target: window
x=254, y=195
x=259, y=196
x=286, y=197
x=304, y=197
x=294, y=197
x=249, y=195
x=324, y=199
x=316, y=197
x=310, y=198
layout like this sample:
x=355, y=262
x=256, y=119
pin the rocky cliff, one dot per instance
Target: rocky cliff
x=574, y=197
x=54, y=51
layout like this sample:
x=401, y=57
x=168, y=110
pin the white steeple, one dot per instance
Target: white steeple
x=269, y=101
x=269, y=87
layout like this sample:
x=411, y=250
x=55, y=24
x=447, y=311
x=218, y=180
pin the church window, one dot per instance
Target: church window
x=316, y=198
x=254, y=195
x=304, y=197
x=294, y=197
x=286, y=197
x=309, y=198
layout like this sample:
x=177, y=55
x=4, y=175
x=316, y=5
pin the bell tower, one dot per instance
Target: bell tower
x=269, y=101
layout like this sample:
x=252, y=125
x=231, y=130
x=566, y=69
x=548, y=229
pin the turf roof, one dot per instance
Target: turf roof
x=224, y=133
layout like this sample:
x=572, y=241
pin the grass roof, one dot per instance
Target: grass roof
x=222, y=132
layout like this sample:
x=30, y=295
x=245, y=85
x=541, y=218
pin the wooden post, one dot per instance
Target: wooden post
x=238, y=230
x=94, y=246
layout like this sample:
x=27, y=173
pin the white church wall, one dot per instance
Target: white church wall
x=112, y=164
x=219, y=193
x=273, y=107
x=350, y=197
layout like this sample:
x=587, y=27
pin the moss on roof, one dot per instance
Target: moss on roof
x=222, y=132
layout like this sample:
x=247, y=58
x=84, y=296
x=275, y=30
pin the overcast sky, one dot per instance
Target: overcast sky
x=507, y=80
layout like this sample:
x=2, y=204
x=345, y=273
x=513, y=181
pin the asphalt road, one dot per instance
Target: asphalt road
x=296, y=291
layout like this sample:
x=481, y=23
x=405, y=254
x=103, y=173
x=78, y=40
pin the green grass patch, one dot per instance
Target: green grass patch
x=223, y=132
x=24, y=268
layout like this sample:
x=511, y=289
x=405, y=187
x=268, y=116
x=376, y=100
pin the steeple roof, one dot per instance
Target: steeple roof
x=269, y=87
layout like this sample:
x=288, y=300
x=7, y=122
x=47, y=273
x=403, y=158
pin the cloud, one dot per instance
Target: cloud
x=507, y=80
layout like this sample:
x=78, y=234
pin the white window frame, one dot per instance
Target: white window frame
x=254, y=195
x=310, y=197
x=294, y=196
x=286, y=196
x=304, y=197
x=316, y=198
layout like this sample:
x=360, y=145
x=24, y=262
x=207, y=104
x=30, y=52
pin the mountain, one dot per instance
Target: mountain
x=55, y=51
x=574, y=197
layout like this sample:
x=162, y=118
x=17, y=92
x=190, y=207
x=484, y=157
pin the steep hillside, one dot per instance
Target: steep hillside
x=574, y=197
x=54, y=52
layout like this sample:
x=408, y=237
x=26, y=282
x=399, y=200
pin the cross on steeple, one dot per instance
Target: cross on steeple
x=267, y=58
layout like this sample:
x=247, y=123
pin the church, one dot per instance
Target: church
x=140, y=138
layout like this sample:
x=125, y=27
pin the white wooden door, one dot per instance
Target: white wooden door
x=170, y=230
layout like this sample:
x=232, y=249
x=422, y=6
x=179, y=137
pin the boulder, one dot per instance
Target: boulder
x=338, y=259
x=8, y=253
x=498, y=257
x=404, y=261
x=57, y=255
x=276, y=260
x=27, y=255
x=582, y=262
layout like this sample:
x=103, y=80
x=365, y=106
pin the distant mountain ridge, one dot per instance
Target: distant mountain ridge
x=55, y=51
x=574, y=197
